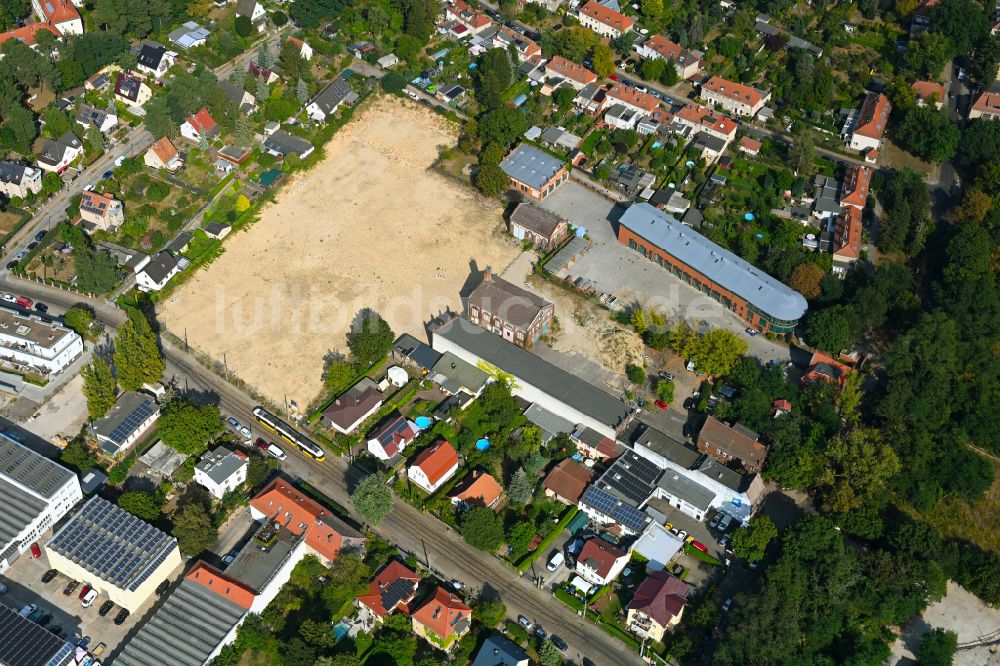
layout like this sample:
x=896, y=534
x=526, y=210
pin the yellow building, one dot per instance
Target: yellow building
x=117, y=554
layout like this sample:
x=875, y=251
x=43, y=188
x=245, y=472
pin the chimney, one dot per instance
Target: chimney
x=488, y=274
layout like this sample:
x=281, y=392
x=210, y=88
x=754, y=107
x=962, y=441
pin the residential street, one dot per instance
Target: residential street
x=429, y=539
x=53, y=210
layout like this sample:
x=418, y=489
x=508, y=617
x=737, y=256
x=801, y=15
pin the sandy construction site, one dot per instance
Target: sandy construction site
x=370, y=226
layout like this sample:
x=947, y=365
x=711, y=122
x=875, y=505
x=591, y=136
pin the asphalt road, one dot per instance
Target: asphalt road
x=54, y=210
x=429, y=539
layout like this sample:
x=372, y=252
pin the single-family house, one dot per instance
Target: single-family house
x=599, y=562
x=688, y=63
x=154, y=59
x=217, y=230
x=392, y=590
x=594, y=445
x=823, y=368
x=100, y=211
x=442, y=620
x=500, y=651
x=538, y=226
x=18, y=179
x=199, y=126
x=459, y=378
x=304, y=50
x=388, y=61
x=870, y=123
x=352, y=407
x=478, y=489
x=57, y=154
x=518, y=315
x=155, y=275
x=474, y=20
x=189, y=36
x=131, y=416
x=104, y=120
x=391, y=436
x=163, y=155
x=604, y=20
x=281, y=143
x=434, y=466
x=732, y=443
x=736, y=98
x=258, y=72
x=567, y=481
x=60, y=14
x=505, y=38
x=101, y=79
x=576, y=76
x=28, y=34
x=253, y=10
x=243, y=100
x=125, y=256
x=658, y=604
x=131, y=91
x=221, y=471
x=534, y=172
x=750, y=146
x=986, y=106
x=929, y=93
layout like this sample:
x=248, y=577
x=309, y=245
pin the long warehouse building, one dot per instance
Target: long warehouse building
x=766, y=303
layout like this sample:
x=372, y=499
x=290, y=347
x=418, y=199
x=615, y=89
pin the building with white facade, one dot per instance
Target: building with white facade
x=736, y=98
x=60, y=14
x=17, y=179
x=603, y=20
x=35, y=493
x=157, y=273
x=221, y=471
x=29, y=342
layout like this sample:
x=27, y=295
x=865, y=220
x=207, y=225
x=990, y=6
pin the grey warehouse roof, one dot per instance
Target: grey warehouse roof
x=26, y=643
x=714, y=262
x=112, y=544
x=523, y=365
x=184, y=631
x=531, y=166
x=35, y=472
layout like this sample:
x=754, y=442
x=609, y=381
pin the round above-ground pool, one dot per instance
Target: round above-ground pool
x=483, y=444
x=422, y=422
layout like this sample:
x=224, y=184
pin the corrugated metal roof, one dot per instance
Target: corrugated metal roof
x=718, y=264
x=24, y=643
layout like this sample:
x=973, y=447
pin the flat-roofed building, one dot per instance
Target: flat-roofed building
x=35, y=494
x=114, y=552
x=29, y=342
x=221, y=471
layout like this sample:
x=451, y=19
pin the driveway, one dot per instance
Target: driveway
x=615, y=269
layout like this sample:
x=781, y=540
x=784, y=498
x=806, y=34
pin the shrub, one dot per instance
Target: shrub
x=243, y=26
x=279, y=18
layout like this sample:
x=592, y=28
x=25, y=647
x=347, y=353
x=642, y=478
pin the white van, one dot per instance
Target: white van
x=412, y=95
x=89, y=599
x=555, y=561
x=275, y=452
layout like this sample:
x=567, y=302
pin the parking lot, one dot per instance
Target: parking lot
x=24, y=582
x=615, y=269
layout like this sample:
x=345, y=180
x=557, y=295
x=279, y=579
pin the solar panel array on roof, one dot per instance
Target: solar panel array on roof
x=25, y=643
x=101, y=81
x=615, y=508
x=131, y=422
x=396, y=591
x=29, y=469
x=113, y=544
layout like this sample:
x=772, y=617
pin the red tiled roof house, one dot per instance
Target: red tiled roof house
x=726, y=443
x=737, y=98
x=481, y=489
x=442, y=620
x=434, y=466
x=392, y=590
x=605, y=21
x=687, y=63
x=198, y=125
x=658, y=604
x=600, y=562
x=567, y=481
x=870, y=124
x=576, y=76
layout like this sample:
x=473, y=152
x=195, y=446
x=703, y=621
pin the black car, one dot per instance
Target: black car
x=121, y=617
x=70, y=586
x=44, y=620
x=40, y=235
x=12, y=265
x=559, y=643
x=540, y=632
x=32, y=245
x=49, y=575
x=106, y=608
x=162, y=588
x=41, y=307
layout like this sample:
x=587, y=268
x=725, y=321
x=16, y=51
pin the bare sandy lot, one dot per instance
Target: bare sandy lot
x=370, y=226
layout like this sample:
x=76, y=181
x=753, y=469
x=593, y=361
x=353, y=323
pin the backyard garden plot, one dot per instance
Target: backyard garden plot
x=370, y=226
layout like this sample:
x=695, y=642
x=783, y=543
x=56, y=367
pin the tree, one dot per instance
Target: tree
x=338, y=375
x=651, y=8
x=317, y=633
x=141, y=503
x=802, y=153
x=906, y=203
x=57, y=121
x=937, y=648
x=369, y=339
x=929, y=134
x=301, y=91
x=807, y=279
x=498, y=409
x=669, y=76
x=98, y=387
x=503, y=125
x=372, y=499
x=928, y=53
x=489, y=612
x=244, y=130
x=494, y=75
x=521, y=488
x=548, y=654
x=491, y=180
x=21, y=124
x=96, y=271
x=832, y=329
x=137, y=356
x=311, y=14
x=635, y=374
x=652, y=68
x=751, y=543
x=482, y=529
x=188, y=428
x=717, y=351
x=193, y=529
x=985, y=61
x=858, y=466
x=78, y=456
x=963, y=22
x=604, y=61
x=279, y=18
x=393, y=82
x=665, y=391
x=243, y=26
x=198, y=8
x=520, y=534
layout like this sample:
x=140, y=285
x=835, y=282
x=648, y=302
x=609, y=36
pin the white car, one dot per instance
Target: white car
x=10, y=298
x=245, y=431
x=682, y=535
x=726, y=605
x=88, y=600
x=228, y=559
x=275, y=452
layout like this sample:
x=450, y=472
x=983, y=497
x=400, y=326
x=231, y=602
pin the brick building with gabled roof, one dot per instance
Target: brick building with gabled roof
x=846, y=239
x=479, y=489
x=871, y=121
x=854, y=191
x=726, y=443
x=605, y=21
x=575, y=75
x=688, y=63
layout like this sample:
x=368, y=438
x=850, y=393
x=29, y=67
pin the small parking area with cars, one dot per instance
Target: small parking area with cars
x=65, y=612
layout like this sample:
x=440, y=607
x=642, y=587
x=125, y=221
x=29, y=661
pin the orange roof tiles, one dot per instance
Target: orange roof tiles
x=750, y=145
x=925, y=90
x=570, y=70
x=202, y=121
x=483, y=490
x=666, y=48
x=607, y=16
x=436, y=460
x=735, y=91
x=398, y=598
x=164, y=149
x=636, y=98
x=59, y=11
x=847, y=233
x=600, y=555
x=855, y=189
x=444, y=614
x=873, y=116
x=228, y=588
x=699, y=115
x=988, y=103
x=28, y=33
x=568, y=480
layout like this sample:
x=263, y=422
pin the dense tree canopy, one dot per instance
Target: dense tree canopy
x=188, y=428
x=137, y=354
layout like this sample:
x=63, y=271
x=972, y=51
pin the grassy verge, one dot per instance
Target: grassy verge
x=526, y=561
x=701, y=555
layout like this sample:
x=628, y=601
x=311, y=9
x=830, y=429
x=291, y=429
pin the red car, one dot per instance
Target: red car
x=614, y=77
x=661, y=404
x=84, y=591
x=24, y=301
x=261, y=444
x=700, y=546
x=36, y=552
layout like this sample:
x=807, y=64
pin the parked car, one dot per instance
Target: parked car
x=27, y=610
x=91, y=597
x=699, y=545
x=724, y=542
x=162, y=588
x=31, y=246
x=541, y=633
x=83, y=642
x=22, y=254
x=36, y=552
x=49, y=575
x=41, y=307
x=40, y=235
x=458, y=585
x=559, y=643
x=122, y=616
x=690, y=366
x=44, y=619
x=70, y=586
x=681, y=534
x=105, y=608
x=228, y=559
x=275, y=452
x=262, y=444
x=524, y=622
x=12, y=265
x=107, y=174
x=234, y=423
x=714, y=523
x=661, y=404
x=726, y=605
x=245, y=431
x=84, y=592
x=24, y=301
x=665, y=376
x=726, y=521
x=751, y=331
x=555, y=561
